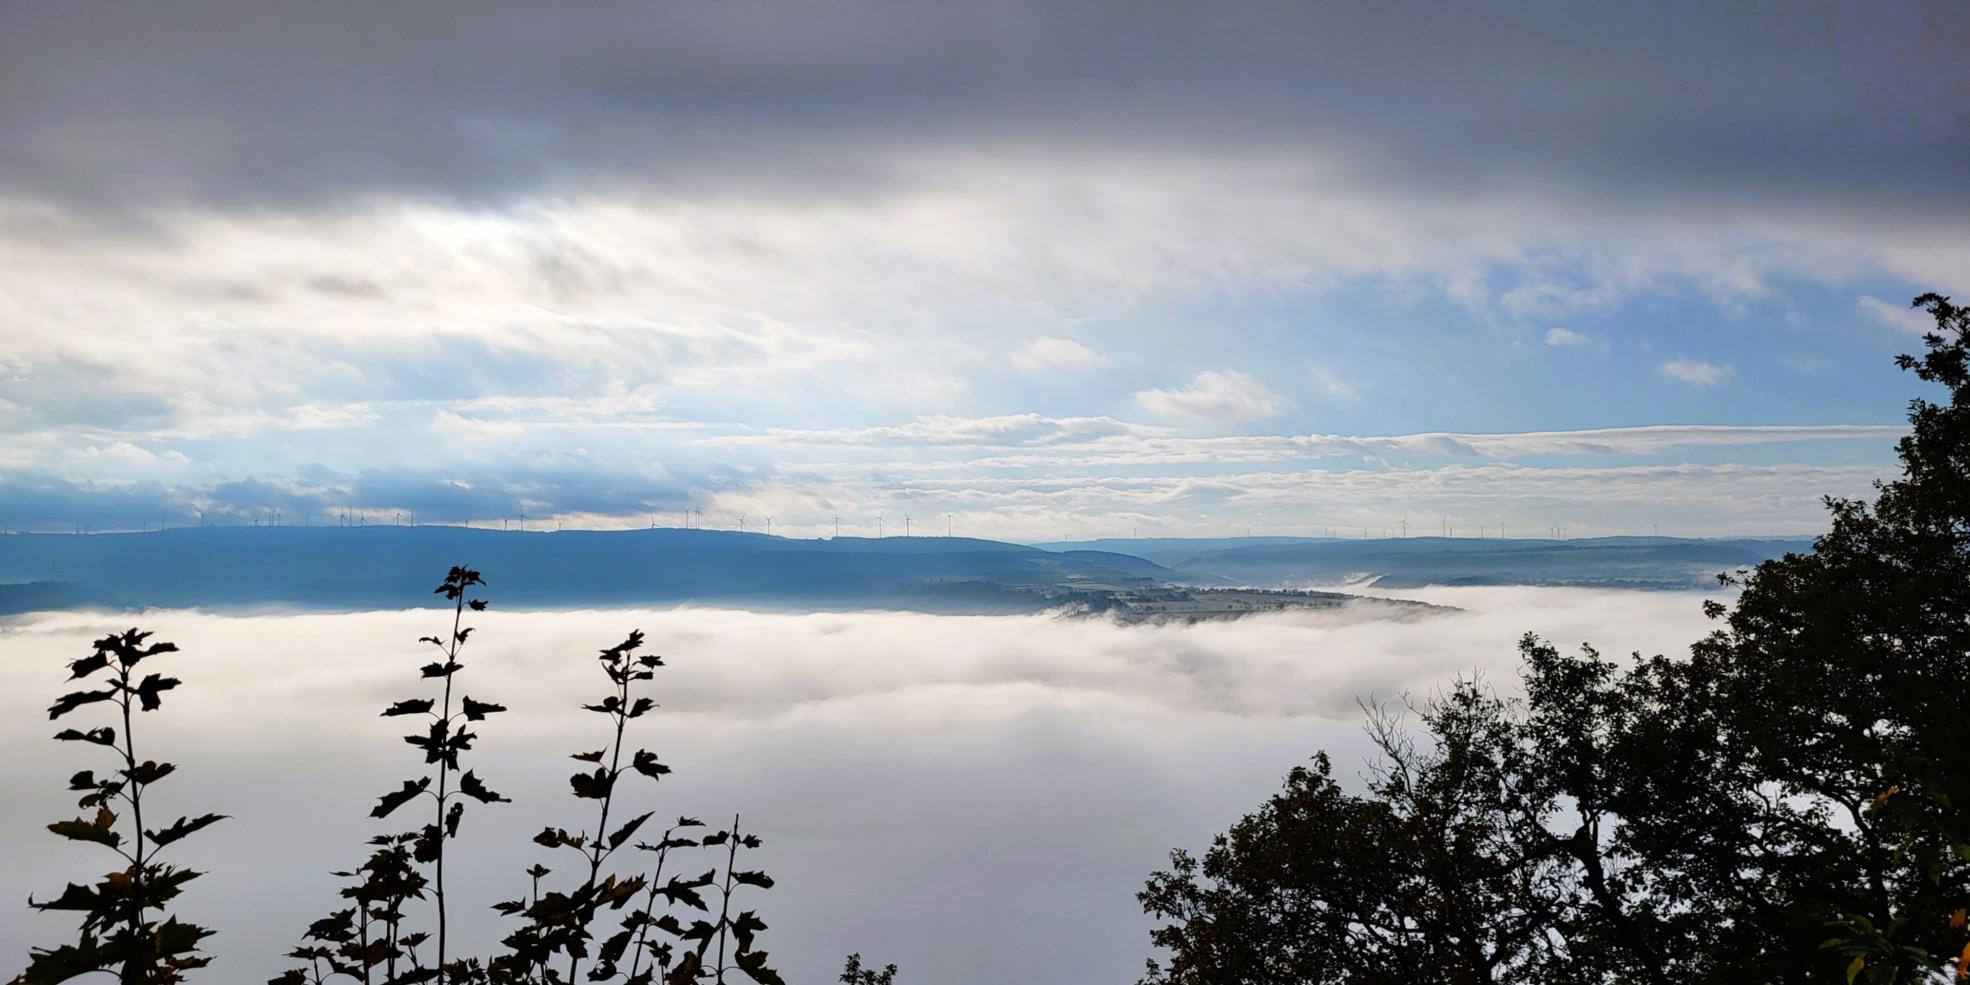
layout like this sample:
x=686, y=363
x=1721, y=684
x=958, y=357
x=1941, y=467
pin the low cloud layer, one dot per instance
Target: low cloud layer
x=1015, y=477
x=929, y=787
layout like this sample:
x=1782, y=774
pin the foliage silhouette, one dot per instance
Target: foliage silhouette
x=852, y=973
x=557, y=940
x=739, y=932
x=370, y=936
x=118, y=934
x=1784, y=805
x=358, y=941
x=560, y=924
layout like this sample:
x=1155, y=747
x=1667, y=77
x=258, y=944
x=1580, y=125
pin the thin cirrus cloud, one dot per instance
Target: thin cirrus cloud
x=1566, y=338
x=1899, y=317
x=1695, y=372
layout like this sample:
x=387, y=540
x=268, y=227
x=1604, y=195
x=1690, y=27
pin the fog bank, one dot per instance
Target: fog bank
x=974, y=798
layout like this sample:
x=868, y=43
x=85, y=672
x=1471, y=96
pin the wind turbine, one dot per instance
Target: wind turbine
x=769, y=526
x=878, y=526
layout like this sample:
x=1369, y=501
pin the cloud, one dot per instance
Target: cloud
x=1899, y=317
x=1002, y=431
x=498, y=105
x=1217, y=396
x=1014, y=477
x=1560, y=338
x=1097, y=441
x=125, y=454
x=1048, y=353
x=1331, y=384
x=1695, y=372
x=734, y=209
x=883, y=757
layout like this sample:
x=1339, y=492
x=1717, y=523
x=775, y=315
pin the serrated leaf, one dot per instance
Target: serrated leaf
x=99, y=830
x=150, y=772
x=104, y=736
x=391, y=801
x=478, y=710
x=152, y=686
x=470, y=786
x=645, y=762
x=85, y=666
x=76, y=699
x=592, y=786
x=183, y=827
x=624, y=833
x=753, y=963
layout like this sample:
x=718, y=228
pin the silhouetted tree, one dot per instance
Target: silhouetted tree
x=1842, y=676
x=1784, y=805
x=119, y=935
x=1430, y=876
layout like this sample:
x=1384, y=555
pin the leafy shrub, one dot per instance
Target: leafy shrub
x=119, y=934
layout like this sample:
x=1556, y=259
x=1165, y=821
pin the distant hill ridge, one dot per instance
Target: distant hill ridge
x=1633, y=562
x=344, y=568
x=390, y=566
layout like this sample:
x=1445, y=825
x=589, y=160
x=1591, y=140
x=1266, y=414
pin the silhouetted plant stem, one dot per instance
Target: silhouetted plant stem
x=650, y=902
x=725, y=904
x=444, y=777
x=135, y=795
x=598, y=848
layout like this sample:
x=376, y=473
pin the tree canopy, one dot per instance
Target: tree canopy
x=1783, y=804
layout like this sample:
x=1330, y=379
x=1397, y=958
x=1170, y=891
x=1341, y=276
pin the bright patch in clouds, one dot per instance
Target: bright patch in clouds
x=1566, y=338
x=1214, y=396
x=1695, y=372
x=1047, y=353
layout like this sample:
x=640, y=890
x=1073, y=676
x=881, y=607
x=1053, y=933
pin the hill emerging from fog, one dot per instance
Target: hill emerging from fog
x=1408, y=562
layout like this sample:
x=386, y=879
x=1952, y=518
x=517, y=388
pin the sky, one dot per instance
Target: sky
x=982, y=809
x=1022, y=270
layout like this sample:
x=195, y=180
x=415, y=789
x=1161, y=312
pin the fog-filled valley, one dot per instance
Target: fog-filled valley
x=929, y=787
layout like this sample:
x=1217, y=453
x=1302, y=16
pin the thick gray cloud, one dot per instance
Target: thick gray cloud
x=1841, y=106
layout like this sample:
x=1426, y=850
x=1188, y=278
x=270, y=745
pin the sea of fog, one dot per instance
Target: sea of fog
x=974, y=798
